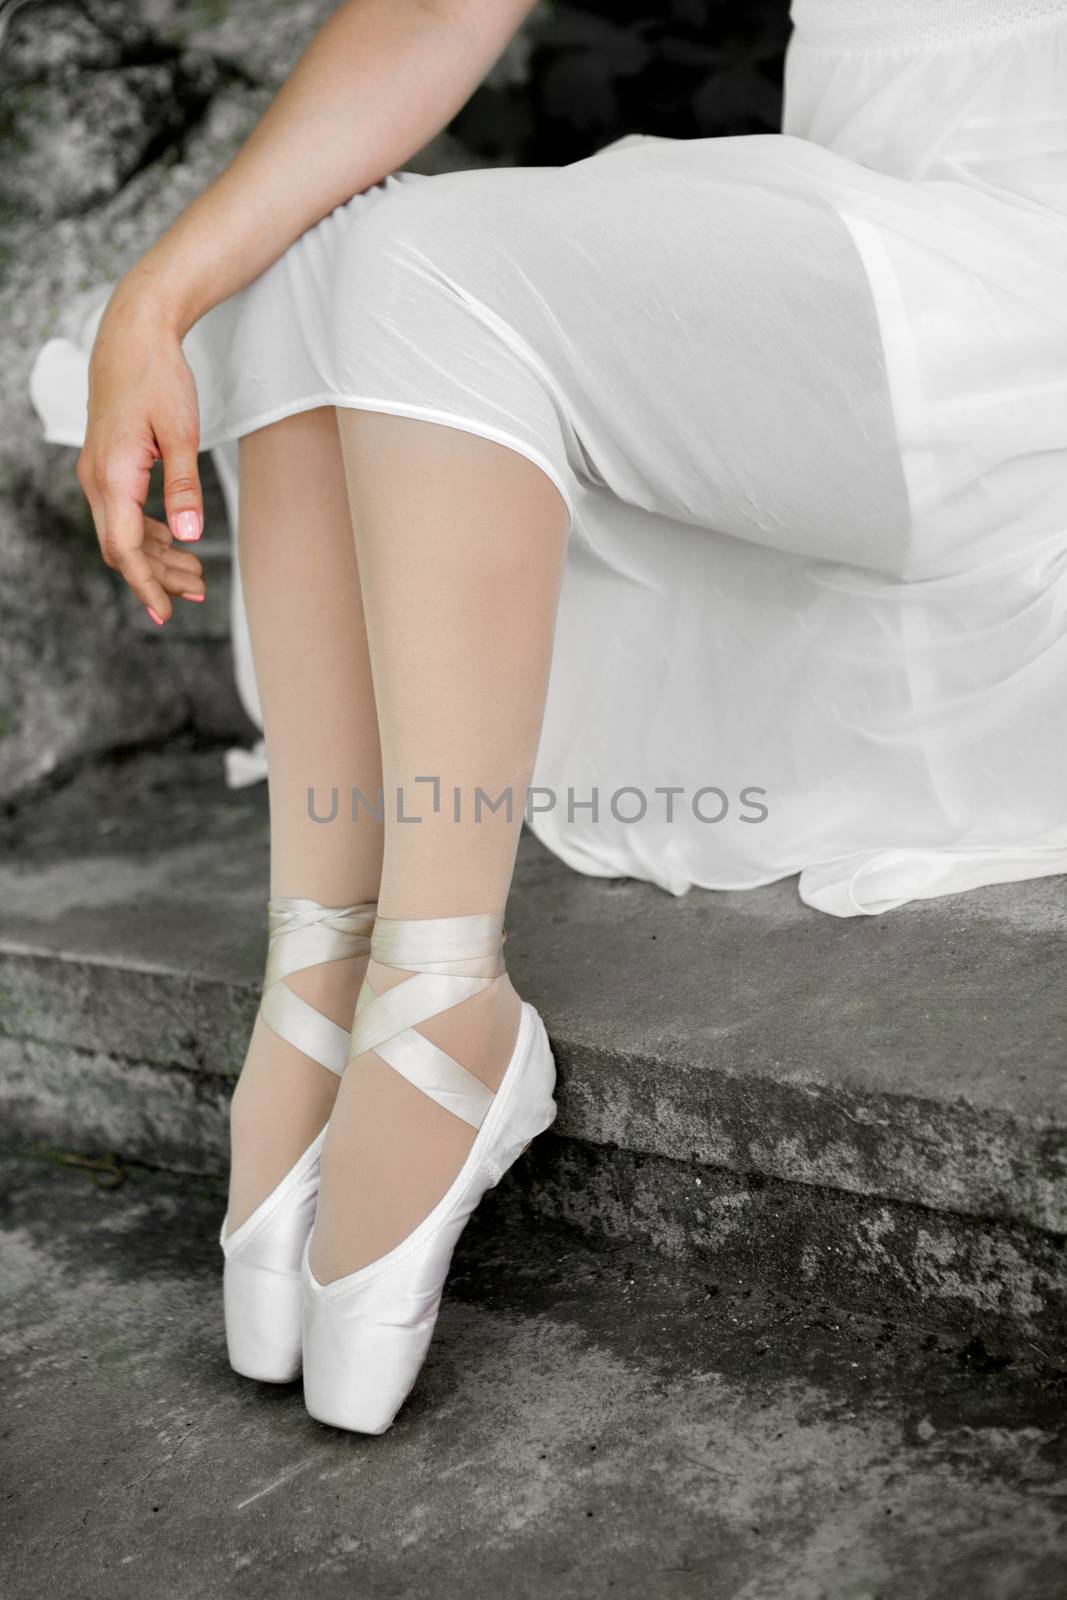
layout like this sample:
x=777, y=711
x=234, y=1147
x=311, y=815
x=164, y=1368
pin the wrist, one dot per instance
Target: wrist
x=146, y=296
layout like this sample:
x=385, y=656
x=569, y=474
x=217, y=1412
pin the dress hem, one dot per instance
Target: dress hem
x=213, y=439
x=1002, y=864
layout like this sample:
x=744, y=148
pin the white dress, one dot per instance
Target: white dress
x=805, y=396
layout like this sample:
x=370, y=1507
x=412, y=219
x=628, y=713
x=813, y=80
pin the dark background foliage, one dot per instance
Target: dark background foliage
x=602, y=68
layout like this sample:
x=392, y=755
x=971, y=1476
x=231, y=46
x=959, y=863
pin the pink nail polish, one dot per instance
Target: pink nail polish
x=199, y=598
x=187, y=525
x=156, y=618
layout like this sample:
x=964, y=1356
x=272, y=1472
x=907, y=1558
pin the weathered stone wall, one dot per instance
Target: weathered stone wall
x=113, y=114
x=108, y=127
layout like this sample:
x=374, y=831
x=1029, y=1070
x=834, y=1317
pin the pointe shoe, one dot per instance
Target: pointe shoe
x=261, y=1271
x=366, y=1335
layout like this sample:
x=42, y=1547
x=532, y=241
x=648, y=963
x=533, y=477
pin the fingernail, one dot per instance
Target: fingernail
x=156, y=618
x=199, y=598
x=187, y=525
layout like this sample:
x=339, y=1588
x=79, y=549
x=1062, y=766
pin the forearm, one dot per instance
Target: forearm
x=375, y=84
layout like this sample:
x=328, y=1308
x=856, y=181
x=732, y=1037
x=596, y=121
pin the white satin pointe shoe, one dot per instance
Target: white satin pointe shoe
x=261, y=1272
x=366, y=1335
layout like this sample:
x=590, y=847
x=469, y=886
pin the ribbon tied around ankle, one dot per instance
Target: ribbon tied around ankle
x=303, y=934
x=451, y=959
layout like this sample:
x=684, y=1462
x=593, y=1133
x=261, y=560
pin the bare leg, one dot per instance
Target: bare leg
x=460, y=544
x=301, y=585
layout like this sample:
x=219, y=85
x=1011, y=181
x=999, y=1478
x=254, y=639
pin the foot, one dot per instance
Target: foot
x=392, y=1151
x=399, y=1185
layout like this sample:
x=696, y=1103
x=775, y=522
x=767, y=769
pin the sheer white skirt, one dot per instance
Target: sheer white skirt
x=807, y=406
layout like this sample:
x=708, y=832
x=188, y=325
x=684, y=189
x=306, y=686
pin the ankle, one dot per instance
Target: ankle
x=480, y=1032
x=331, y=987
x=281, y=1103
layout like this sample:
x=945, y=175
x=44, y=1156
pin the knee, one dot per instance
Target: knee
x=413, y=224
x=423, y=236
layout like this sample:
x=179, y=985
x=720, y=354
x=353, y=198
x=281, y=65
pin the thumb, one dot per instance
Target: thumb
x=182, y=496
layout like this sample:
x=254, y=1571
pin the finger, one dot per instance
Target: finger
x=181, y=481
x=177, y=561
x=175, y=577
x=159, y=539
x=188, y=585
x=154, y=529
x=165, y=550
x=124, y=549
x=178, y=571
x=160, y=544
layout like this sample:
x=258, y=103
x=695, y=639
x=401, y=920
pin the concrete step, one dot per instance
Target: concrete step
x=591, y=1421
x=871, y=1111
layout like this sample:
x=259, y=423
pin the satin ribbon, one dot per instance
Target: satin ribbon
x=305, y=934
x=451, y=959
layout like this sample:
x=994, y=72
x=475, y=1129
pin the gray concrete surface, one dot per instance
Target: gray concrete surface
x=588, y=1423
x=873, y=1110
x=919, y=1055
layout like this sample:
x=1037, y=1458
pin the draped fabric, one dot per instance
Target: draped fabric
x=805, y=397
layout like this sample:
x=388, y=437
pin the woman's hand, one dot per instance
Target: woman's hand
x=375, y=84
x=143, y=408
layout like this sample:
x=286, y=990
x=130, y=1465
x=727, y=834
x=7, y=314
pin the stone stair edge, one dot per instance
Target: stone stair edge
x=187, y=980
x=947, y=1155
